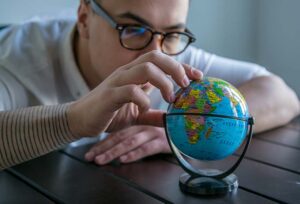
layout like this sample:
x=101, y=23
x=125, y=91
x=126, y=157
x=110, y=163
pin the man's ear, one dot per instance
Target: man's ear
x=82, y=19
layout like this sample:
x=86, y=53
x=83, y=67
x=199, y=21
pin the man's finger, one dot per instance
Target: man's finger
x=166, y=63
x=151, y=117
x=145, y=73
x=147, y=149
x=192, y=73
x=104, y=145
x=127, y=145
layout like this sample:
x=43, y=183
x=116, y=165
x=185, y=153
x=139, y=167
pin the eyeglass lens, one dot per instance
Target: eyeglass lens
x=136, y=37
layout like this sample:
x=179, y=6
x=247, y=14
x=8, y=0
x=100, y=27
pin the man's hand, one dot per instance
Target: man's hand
x=121, y=100
x=129, y=145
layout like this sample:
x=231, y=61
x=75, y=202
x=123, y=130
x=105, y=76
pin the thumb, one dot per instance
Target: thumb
x=151, y=117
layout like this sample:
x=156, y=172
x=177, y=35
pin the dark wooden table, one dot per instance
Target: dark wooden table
x=270, y=173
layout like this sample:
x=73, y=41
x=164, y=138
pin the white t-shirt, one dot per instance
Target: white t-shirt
x=37, y=65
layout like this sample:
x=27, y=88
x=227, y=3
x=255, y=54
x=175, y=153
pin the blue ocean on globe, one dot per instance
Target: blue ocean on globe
x=208, y=120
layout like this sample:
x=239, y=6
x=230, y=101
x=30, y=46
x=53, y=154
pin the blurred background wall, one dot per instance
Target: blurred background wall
x=261, y=31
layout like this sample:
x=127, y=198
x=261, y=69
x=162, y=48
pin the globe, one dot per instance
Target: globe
x=208, y=120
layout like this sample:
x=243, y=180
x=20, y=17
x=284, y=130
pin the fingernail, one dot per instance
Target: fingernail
x=123, y=158
x=185, y=81
x=100, y=159
x=89, y=156
x=197, y=73
x=172, y=98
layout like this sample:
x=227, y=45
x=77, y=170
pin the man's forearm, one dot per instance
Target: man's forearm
x=270, y=101
x=30, y=132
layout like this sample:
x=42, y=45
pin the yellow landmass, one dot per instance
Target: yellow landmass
x=213, y=98
x=195, y=93
x=194, y=139
x=207, y=134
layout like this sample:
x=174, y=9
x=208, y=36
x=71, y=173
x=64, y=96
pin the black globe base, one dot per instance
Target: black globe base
x=207, y=186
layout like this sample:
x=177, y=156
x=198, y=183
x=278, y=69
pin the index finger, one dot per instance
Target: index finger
x=166, y=63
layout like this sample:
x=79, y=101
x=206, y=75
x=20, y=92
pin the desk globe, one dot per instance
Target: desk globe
x=209, y=120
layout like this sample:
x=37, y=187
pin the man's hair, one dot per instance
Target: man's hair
x=88, y=1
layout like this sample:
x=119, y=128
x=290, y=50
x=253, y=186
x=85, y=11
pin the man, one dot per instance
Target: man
x=106, y=63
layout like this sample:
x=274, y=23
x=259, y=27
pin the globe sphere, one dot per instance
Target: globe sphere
x=208, y=120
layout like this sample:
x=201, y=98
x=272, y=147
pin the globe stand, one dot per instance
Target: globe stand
x=208, y=181
x=208, y=186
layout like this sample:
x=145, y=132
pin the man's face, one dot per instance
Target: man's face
x=105, y=52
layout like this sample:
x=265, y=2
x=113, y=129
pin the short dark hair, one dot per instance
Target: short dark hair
x=88, y=1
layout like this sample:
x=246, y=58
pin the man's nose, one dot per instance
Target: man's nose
x=155, y=44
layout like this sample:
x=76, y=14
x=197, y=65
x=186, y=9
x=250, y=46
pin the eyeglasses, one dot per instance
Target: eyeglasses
x=137, y=37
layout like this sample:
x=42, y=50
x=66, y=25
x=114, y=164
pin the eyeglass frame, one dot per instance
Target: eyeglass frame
x=100, y=11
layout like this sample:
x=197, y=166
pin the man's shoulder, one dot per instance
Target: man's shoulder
x=37, y=28
x=47, y=28
x=31, y=51
x=35, y=37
